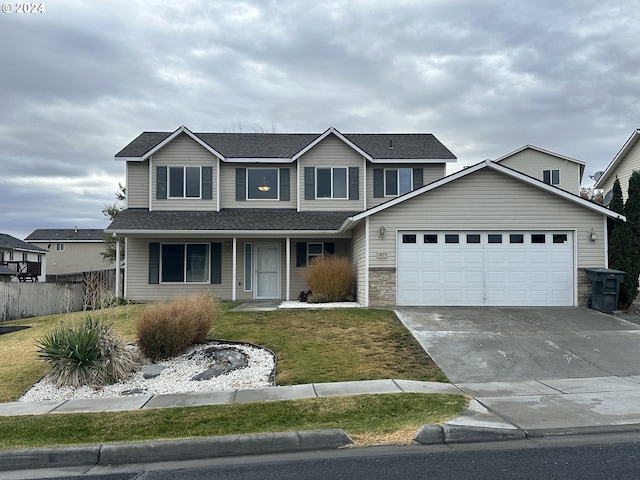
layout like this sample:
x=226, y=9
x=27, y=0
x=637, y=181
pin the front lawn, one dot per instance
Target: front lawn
x=313, y=346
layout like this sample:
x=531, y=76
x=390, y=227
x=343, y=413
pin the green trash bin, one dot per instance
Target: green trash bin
x=605, y=286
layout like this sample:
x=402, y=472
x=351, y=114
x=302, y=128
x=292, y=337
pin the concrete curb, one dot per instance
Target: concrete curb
x=194, y=448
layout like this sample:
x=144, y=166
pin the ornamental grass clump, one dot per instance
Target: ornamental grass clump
x=86, y=354
x=330, y=278
x=167, y=329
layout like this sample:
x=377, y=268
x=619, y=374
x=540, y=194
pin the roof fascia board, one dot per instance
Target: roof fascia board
x=328, y=132
x=541, y=150
x=413, y=160
x=176, y=133
x=130, y=159
x=223, y=233
x=474, y=168
x=631, y=141
x=257, y=160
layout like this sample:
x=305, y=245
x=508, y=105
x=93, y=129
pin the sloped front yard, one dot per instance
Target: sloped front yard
x=312, y=346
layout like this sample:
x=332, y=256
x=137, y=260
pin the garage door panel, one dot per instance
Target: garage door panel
x=485, y=273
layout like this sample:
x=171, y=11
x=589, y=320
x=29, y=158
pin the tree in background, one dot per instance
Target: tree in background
x=621, y=249
x=632, y=212
x=111, y=210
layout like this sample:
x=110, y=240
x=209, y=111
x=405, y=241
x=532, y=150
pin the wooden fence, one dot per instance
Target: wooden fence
x=22, y=300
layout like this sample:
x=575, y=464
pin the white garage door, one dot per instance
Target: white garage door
x=485, y=268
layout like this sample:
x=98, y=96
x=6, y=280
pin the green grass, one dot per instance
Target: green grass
x=312, y=346
x=367, y=418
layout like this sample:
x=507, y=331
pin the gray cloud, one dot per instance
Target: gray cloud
x=81, y=80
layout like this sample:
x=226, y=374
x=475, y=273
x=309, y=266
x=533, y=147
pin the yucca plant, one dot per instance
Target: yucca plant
x=88, y=354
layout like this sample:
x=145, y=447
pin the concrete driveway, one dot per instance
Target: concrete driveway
x=491, y=344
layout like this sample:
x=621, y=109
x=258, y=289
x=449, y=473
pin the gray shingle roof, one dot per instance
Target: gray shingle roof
x=66, y=234
x=232, y=219
x=7, y=241
x=285, y=145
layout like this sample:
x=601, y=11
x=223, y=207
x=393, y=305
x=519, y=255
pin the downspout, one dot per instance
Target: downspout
x=288, y=266
x=117, y=262
x=366, y=262
x=233, y=270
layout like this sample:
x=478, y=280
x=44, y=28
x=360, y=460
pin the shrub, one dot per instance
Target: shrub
x=166, y=329
x=330, y=278
x=89, y=354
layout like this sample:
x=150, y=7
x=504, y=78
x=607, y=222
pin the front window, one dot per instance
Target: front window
x=314, y=250
x=397, y=181
x=185, y=263
x=552, y=177
x=60, y=247
x=184, y=182
x=331, y=182
x=262, y=183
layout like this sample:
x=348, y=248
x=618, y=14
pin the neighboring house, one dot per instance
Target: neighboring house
x=72, y=250
x=551, y=168
x=242, y=215
x=621, y=167
x=21, y=261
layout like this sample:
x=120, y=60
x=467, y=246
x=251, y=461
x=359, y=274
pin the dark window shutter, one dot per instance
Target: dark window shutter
x=354, y=183
x=161, y=183
x=417, y=178
x=207, y=183
x=285, y=196
x=154, y=263
x=330, y=248
x=301, y=254
x=378, y=182
x=309, y=184
x=216, y=263
x=241, y=184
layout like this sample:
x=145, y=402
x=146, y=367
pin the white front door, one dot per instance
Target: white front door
x=267, y=270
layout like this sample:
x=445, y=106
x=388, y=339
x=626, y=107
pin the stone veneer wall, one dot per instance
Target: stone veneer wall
x=584, y=288
x=382, y=287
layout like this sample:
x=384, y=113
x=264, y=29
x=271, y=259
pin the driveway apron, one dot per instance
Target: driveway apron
x=509, y=344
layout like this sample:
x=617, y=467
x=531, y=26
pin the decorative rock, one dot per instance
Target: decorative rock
x=133, y=391
x=153, y=371
x=225, y=360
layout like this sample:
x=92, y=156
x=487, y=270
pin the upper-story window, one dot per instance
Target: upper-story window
x=60, y=247
x=25, y=256
x=262, y=183
x=332, y=182
x=552, y=177
x=397, y=181
x=184, y=182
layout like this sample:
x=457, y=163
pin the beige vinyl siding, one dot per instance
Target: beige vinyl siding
x=77, y=257
x=137, y=281
x=298, y=283
x=331, y=152
x=485, y=201
x=624, y=170
x=533, y=162
x=183, y=151
x=358, y=257
x=228, y=186
x=430, y=173
x=138, y=184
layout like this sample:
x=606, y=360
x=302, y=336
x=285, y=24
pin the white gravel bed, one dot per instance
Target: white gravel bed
x=291, y=304
x=176, y=378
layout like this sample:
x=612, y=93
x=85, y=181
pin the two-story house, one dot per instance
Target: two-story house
x=241, y=214
x=71, y=250
x=626, y=161
x=21, y=261
x=551, y=168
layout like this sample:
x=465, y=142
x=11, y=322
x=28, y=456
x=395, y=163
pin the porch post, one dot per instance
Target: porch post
x=288, y=267
x=233, y=270
x=117, y=267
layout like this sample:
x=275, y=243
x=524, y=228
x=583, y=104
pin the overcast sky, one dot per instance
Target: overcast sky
x=82, y=79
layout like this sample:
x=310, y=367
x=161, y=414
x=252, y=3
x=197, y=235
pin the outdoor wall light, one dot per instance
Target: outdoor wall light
x=381, y=232
x=592, y=235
